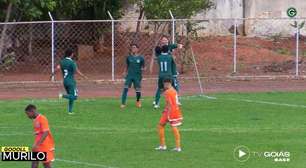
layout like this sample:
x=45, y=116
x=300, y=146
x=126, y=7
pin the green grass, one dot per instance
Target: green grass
x=102, y=133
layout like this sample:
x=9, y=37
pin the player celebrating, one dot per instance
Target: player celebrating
x=69, y=68
x=165, y=42
x=166, y=69
x=171, y=114
x=135, y=65
x=43, y=138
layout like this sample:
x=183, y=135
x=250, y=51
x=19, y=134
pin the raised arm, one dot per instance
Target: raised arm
x=81, y=74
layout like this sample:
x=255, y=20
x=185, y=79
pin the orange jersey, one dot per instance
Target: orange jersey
x=172, y=102
x=41, y=125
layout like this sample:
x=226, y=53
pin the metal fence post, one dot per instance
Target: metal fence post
x=113, y=45
x=235, y=46
x=297, y=51
x=52, y=47
x=173, y=26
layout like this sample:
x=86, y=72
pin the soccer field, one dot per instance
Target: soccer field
x=101, y=134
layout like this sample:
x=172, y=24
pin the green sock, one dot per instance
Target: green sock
x=157, y=96
x=70, y=105
x=71, y=99
x=138, y=95
x=124, y=95
x=69, y=96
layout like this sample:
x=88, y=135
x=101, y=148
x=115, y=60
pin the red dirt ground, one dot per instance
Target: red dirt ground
x=113, y=89
x=214, y=58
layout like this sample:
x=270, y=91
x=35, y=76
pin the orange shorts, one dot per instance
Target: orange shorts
x=50, y=156
x=164, y=120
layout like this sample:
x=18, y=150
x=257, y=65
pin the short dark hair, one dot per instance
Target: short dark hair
x=167, y=80
x=157, y=50
x=134, y=44
x=165, y=49
x=30, y=108
x=68, y=52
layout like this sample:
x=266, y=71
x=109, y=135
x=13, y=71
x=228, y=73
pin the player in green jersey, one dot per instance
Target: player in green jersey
x=135, y=65
x=68, y=68
x=166, y=69
x=165, y=41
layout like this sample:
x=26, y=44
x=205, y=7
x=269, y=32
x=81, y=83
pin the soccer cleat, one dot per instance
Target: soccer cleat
x=156, y=106
x=161, y=148
x=138, y=104
x=60, y=95
x=71, y=113
x=179, y=103
x=177, y=150
x=122, y=106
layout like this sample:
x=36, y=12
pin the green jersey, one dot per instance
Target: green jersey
x=171, y=47
x=68, y=67
x=135, y=65
x=166, y=65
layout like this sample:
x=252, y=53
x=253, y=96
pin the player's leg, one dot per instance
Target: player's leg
x=47, y=165
x=137, y=86
x=127, y=85
x=72, y=94
x=176, y=85
x=50, y=159
x=158, y=92
x=35, y=164
x=161, y=132
x=177, y=135
x=71, y=91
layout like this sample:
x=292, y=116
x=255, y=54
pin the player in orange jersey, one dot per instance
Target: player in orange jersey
x=171, y=114
x=43, y=138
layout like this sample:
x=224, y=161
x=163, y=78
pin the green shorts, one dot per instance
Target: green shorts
x=161, y=81
x=71, y=88
x=132, y=80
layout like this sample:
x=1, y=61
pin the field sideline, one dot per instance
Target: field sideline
x=103, y=135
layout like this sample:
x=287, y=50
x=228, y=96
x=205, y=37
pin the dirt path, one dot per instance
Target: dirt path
x=113, y=89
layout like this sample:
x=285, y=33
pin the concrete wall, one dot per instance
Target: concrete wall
x=254, y=9
x=272, y=9
x=224, y=9
x=221, y=17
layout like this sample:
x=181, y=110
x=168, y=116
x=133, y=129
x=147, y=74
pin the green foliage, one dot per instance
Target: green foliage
x=283, y=51
x=31, y=9
x=26, y=10
x=156, y=9
x=296, y=24
x=88, y=9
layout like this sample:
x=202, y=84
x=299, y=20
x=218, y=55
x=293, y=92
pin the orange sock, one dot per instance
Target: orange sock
x=177, y=137
x=161, y=132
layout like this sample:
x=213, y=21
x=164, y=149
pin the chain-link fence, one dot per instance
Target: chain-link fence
x=25, y=51
x=222, y=47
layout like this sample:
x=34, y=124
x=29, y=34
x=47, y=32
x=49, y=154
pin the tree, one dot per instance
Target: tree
x=87, y=9
x=157, y=9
